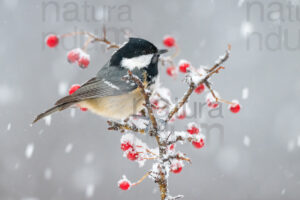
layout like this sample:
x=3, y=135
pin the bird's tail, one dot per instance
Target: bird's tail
x=52, y=110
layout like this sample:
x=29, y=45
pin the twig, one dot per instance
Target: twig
x=93, y=38
x=141, y=180
x=222, y=59
x=122, y=127
x=214, y=95
x=178, y=157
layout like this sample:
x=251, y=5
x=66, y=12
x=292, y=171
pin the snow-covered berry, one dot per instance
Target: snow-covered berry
x=155, y=103
x=193, y=128
x=124, y=184
x=171, y=71
x=169, y=41
x=132, y=155
x=200, y=89
x=181, y=115
x=198, y=144
x=211, y=101
x=125, y=146
x=176, y=167
x=84, y=61
x=52, y=41
x=172, y=147
x=235, y=107
x=212, y=104
x=74, y=88
x=73, y=55
x=183, y=66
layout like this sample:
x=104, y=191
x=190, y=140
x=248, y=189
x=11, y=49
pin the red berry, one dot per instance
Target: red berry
x=183, y=65
x=124, y=185
x=171, y=71
x=182, y=115
x=73, y=88
x=73, y=55
x=200, y=89
x=84, y=61
x=212, y=104
x=172, y=119
x=126, y=146
x=235, y=107
x=176, y=168
x=83, y=109
x=198, y=144
x=132, y=155
x=169, y=41
x=52, y=41
x=155, y=104
x=193, y=130
x=171, y=147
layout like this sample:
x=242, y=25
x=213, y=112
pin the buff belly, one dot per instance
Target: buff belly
x=116, y=107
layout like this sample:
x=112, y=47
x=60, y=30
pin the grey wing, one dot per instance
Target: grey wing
x=107, y=83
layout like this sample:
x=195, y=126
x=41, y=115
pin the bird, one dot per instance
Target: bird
x=108, y=94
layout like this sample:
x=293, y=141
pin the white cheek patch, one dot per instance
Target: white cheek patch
x=136, y=62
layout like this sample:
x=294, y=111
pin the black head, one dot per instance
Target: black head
x=138, y=55
x=134, y=48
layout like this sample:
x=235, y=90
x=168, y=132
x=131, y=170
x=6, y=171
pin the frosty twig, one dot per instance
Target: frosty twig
x=122, y=127
x=93, y=38
x=192, y=86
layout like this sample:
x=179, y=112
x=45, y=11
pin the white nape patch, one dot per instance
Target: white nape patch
x=139, y=62
x=111, y=85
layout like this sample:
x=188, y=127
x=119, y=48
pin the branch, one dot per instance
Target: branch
x=93, y=38
x=222, y=59
x=143, y=178
x=214, y=95
x=213, y=70
x=146, y=96
x=178, y=157
x=122, y=127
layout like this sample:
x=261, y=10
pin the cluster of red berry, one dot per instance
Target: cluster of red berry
x=194, y=129
x=130, y=151
x=133, y=148
x=74, y=56
x=184, y=66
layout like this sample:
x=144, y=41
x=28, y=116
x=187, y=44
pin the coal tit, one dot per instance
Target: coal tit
x=107, y=94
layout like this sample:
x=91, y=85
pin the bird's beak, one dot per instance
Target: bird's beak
x=161, y=51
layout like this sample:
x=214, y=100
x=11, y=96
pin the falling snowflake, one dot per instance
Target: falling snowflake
x=245, y=93
x=247, y=141
x=48, y=120
x=246, y=29
x=89, y=191
x=69, y=148
x=48, y=173
x=29, y=150
x=8, y=127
